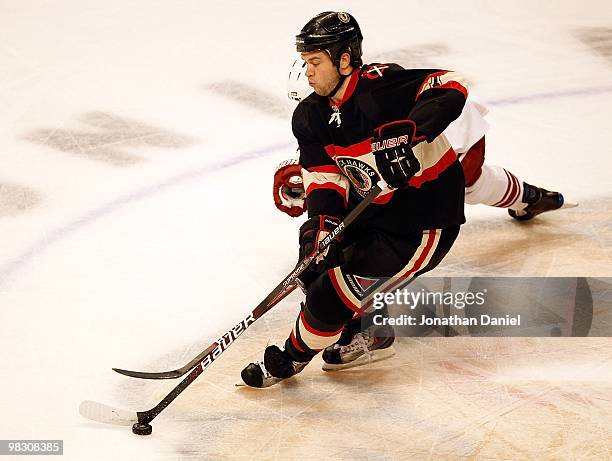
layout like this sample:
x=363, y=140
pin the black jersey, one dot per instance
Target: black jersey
x=336, y=154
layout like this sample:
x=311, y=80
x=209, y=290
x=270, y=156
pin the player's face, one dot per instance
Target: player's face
x=321, y=73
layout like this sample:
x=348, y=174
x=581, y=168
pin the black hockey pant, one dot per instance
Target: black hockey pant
x=376, y=262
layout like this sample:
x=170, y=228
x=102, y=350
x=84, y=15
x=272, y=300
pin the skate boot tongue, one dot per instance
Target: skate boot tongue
x=359, y=344
x=371, y=345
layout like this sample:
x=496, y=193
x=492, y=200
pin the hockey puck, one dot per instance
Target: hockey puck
x=142, y=429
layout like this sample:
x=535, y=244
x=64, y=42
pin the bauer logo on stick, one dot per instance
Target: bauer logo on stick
x=227, y=339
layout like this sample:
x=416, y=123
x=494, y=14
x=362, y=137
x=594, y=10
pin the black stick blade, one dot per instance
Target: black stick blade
x=151, y=375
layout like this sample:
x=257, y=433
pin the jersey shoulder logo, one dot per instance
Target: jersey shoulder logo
x=374, y=71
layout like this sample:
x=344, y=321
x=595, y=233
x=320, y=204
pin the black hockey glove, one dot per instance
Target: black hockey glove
x=311, y=233
x=391, y=145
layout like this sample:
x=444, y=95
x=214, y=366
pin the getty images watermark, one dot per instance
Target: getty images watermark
x=410, y=300
x=491, y=306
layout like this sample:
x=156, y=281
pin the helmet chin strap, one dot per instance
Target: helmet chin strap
x=333, y=92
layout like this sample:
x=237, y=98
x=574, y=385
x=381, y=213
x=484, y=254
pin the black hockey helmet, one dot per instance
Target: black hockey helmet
x=334, y=32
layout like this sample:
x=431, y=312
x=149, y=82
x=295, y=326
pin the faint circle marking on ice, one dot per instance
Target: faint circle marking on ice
x=91, y=216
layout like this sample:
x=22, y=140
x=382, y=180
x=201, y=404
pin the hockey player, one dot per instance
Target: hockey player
x=363, y=123
x=485, y=184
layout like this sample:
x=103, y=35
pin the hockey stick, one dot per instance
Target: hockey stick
x=277, y=295
x=106, y=414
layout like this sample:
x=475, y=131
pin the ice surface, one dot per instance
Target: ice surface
x=136, y=153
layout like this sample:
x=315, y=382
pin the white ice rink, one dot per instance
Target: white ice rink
x=137, y=145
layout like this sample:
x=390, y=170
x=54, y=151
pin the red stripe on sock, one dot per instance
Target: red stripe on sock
x=518, y=191
x=513, y=193
x=507, y=190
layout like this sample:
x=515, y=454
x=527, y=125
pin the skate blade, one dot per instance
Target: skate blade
x=568, y=205
x=376, y=356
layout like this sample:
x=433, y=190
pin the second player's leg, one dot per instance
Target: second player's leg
x=495, y=186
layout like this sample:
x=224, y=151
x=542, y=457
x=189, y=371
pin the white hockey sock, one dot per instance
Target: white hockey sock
x=496, y=187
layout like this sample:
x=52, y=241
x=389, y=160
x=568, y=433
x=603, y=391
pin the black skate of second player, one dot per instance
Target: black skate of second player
x=363, y=123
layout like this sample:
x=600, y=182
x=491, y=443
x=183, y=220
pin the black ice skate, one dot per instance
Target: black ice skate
x=539, y=201
x=356, y=348
x=276, y=366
